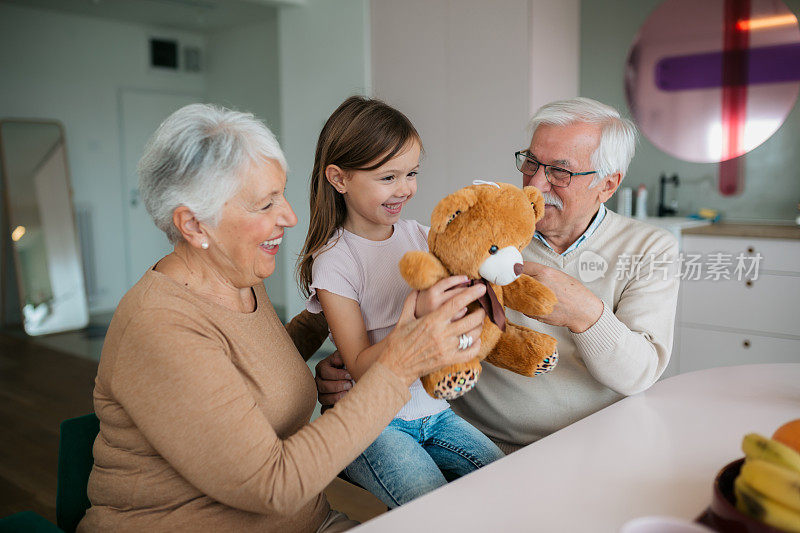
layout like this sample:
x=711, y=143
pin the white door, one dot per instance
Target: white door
x=141, y=113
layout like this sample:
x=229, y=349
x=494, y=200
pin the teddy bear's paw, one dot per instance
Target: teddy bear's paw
x=548, y=364
x=456, y=384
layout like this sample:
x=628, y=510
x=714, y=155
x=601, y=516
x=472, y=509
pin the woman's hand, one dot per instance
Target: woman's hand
x=418, y=346
x=431, y=299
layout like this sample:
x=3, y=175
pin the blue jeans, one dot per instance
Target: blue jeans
x=413, y=457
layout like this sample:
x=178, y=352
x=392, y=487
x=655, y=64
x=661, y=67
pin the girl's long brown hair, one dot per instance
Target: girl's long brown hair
x=362, y=134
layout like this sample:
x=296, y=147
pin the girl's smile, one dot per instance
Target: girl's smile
x=394, y=209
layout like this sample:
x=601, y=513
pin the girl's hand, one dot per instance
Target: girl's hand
x=418, y=346
x=431, y=299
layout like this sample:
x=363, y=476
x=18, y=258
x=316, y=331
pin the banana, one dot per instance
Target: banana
x=763, y=509
x=773, y=481
x=756, y=446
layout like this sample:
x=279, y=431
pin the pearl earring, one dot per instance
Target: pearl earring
x=204, y=246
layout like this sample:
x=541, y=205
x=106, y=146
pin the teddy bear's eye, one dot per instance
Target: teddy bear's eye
x=493, y=249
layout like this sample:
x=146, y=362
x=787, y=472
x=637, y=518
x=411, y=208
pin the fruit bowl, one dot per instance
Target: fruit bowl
x=722, y=515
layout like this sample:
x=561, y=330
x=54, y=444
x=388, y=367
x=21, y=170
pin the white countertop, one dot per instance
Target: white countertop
x=676, y=222
x=655, y=453
x=676, y=225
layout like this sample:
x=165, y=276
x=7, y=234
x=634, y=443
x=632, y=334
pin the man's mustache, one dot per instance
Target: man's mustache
x=552, y=199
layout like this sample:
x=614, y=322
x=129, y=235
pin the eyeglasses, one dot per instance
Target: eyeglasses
x=557, y=176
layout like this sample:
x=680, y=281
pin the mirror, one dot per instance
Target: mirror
x=40, y=223
x=709, y=81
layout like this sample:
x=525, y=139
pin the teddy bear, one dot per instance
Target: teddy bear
x=478, y=231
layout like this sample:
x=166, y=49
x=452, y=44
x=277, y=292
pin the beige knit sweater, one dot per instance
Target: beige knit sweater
x=204, y=418
x=623, y=353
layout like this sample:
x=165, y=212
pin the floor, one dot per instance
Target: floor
x=48, y=379
x=39, y=387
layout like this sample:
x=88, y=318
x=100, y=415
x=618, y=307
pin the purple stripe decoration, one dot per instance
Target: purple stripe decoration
x=767, y=64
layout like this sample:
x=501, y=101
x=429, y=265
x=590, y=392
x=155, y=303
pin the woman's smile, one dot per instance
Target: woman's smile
x=270, y=246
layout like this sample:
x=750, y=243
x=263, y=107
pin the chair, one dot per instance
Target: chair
x=27, y=522
x=75, y=462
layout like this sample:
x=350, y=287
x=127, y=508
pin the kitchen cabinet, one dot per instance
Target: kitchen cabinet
x=750, y=316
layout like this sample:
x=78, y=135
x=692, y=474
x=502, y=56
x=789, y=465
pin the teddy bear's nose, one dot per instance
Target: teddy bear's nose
x=518, y=269
x=493, y=249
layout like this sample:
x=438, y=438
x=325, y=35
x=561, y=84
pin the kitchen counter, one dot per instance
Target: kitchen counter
x=675, y=225
x=753, y=230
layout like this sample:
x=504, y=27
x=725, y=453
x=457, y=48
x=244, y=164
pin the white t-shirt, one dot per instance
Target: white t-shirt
x=367, y=271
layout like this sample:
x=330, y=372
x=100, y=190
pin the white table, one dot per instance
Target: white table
x=655, y=453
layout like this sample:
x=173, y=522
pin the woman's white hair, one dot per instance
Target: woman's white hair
x=618, y=138
x=196, y=158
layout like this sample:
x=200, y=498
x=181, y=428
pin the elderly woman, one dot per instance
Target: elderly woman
x=203, y=399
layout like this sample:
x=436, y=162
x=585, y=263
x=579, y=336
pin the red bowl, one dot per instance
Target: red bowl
x=722, y=515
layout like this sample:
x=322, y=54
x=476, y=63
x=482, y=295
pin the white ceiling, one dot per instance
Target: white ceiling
x=193, y=15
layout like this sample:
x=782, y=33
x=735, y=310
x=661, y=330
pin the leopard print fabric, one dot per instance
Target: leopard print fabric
x=456, y=384
x=459, y=383
x=547, y=365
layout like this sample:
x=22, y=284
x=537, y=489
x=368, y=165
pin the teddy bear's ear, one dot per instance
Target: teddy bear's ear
x=451, y=206
x=537, y=201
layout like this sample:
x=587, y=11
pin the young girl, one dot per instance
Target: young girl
x=365, y=171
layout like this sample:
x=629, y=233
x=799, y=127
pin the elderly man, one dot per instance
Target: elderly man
x=614, y=277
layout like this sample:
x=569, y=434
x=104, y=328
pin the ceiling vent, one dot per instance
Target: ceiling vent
x=169, y=54
x=164, y=54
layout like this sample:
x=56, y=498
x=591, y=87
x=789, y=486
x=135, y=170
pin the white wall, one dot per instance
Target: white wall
x=70, y=68
x=555, y=41
x=324, y=58
x=461, y=71
x=242, y=69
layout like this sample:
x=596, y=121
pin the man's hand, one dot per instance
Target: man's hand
x=333, y=380
x=577, y=308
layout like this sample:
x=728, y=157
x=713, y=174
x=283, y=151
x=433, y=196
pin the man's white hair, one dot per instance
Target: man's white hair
x=196, y=159
x=618, y=138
